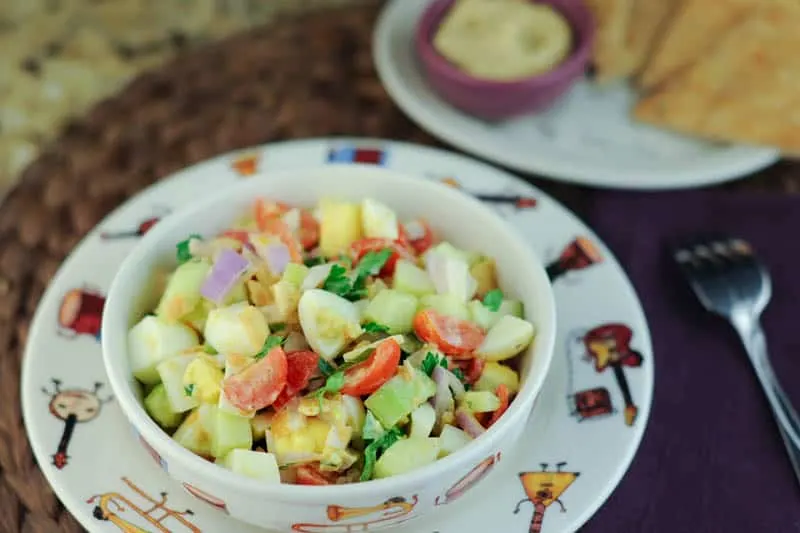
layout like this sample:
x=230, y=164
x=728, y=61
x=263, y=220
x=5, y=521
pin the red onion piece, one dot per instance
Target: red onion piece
x=466, y=420
x=443, y=400
x=277, y=257
x=227, y=270
x=455, y=385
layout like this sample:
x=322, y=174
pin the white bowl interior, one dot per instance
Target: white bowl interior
x=455, y=216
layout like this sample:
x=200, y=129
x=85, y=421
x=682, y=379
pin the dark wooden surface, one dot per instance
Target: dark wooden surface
x=301, y=78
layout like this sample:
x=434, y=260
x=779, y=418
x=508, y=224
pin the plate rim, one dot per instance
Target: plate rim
x=38, y=321
x=746, y=160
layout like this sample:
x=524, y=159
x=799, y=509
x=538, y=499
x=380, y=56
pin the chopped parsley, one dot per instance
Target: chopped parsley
x=333, y=384
x=431, y=361
x=377, y=447
x=278, y=326
x=271, y=342
x=207, y=348
x=374, y=327
x=188, y=390
x=493, y=299
x=182, y=249
x=355, y=288
x=457, y=372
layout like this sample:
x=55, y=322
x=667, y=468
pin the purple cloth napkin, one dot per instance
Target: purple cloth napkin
x=711, y=459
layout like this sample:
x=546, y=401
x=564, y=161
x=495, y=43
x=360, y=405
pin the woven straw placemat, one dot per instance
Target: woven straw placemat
x=301, y=77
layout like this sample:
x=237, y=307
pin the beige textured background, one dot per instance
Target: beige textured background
x=59, y=57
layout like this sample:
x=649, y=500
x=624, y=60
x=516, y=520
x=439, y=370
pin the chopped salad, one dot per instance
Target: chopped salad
x=327, y=345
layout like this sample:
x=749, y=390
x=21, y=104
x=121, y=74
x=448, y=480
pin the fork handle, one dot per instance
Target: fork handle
x=755, y=343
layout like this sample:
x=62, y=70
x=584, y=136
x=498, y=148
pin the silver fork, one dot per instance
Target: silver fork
x=730, y=281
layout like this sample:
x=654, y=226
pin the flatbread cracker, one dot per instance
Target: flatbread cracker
x=612, y=18
x=695, y=28
x=745, y=90
x=649, y=20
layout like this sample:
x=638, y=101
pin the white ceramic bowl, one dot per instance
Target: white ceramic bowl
x=457, y=217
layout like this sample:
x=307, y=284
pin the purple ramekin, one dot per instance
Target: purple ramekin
x=499, y=100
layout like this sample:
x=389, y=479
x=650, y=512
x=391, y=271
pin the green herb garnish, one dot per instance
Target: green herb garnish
x=333, y=384
x=457, y=372
x=374, y=327
x=431, y=361
x=271, y=342
x=278, y=326
x=207, y=348
x=188, y=389
x=182, y=249
x=493, y=299
x=355, y=288
x=377, y=447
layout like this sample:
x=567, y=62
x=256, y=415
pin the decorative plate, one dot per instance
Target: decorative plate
x=599, y=389
x=585, y=138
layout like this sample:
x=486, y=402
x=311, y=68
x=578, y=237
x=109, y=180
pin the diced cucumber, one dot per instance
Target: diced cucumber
x=355, y=413
x=195, y=432
x=151, y=341
x=486, y=318
x=508, y=337
x=204, y=378
x=230, y=432
x=181, y=398
x=374, y=287
x=445, y=304
x=378, y=220
x=182, y=292
x=483, y=272
x=372, y=429
x=416, y=358
x=406, y=455
x=450, y=276
x=252, y=464
x=259, y=424
x=240, y=329
x=286, y=296
x=359, y=351
x=423, y=418
x=480, y=401
x=158, y=407
x=452, y=439
x=329, y=321
x=399, y=396
x=448, y=249
x=394, y=309
x=411, y=279
x=295, y=274
x=495, y=374
x=340, y=226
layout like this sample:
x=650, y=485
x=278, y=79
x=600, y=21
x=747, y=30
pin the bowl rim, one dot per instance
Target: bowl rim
x=432, y=17
x=114, y=339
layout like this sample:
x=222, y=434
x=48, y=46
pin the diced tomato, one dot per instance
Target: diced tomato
x=452, y=335
x=399, y=251
x=367, y=377
x=301, y=366
x=310, y=474
x=258, y=385
x=266, y=210
x=502, y=393
x=471, y=366
x=308, y=233
x=237, y=235
x=418, y=234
